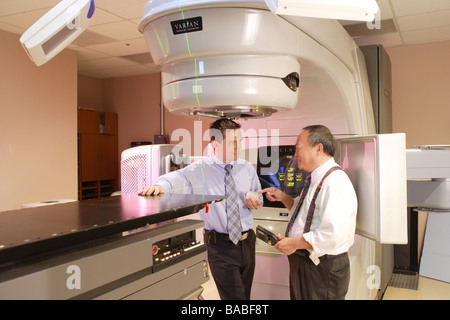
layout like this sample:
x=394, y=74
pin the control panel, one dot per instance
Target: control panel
x=174, y=248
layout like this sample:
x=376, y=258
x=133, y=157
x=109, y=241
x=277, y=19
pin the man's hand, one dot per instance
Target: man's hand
x=252, y=203
x=152, y=191
x=288, y=245
x=273, y=194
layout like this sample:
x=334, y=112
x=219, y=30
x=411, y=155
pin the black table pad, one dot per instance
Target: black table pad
x=32, y=231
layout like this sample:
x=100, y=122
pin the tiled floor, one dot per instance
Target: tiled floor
x=210, y=290
x=429, y=289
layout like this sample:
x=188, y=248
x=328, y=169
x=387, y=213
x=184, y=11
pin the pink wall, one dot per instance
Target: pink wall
x=137, y=101
x=38, y=126
x=90, y=93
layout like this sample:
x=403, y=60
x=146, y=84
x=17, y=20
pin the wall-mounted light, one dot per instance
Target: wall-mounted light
x=359, y=10
x=56, y=30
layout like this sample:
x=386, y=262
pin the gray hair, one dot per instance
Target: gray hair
x=321, y=134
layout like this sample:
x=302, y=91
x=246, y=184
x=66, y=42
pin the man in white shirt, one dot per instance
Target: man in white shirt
x=318, y=238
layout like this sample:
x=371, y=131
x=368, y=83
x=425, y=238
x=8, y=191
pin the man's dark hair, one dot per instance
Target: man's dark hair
x=321, y=134
x=222, y=125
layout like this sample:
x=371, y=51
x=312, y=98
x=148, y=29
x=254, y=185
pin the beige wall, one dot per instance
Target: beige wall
x=136, y=100
x=421, y=99
x=38, y=126
x=90, y=93
x=421, y=92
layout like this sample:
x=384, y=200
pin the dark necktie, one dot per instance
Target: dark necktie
x=232, y=205
x=299, y=205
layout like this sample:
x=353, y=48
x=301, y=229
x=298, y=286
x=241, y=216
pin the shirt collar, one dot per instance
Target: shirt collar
x=217, y=161
x=321, y=170
x=222, y=164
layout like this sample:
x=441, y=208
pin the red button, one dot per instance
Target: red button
x=155, y=249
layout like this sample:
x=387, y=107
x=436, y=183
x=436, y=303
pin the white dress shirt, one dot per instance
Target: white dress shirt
x=333, y=225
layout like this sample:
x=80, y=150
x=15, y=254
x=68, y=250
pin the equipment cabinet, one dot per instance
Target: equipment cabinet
x=98, y=165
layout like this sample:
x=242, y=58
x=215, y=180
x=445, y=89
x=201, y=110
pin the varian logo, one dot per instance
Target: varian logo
x=187, y=25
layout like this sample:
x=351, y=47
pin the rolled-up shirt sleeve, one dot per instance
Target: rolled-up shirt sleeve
x=175, y=182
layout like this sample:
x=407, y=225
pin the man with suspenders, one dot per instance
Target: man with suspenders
x=322, y=220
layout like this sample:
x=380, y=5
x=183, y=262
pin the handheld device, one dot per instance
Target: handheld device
x=266, y=235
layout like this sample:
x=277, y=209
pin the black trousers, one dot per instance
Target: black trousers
x=232, y=266
x=328, y=280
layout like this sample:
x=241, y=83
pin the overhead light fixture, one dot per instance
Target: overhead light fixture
x=358, y=10
x=57, y=29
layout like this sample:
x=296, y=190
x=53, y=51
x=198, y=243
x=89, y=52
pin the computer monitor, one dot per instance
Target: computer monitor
x=277, y=167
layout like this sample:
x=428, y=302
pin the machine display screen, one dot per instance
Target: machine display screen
x=277, y=167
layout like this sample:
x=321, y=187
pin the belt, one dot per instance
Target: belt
x=213, y=236
x=302, y=253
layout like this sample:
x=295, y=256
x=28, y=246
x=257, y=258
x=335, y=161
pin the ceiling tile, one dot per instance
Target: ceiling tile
x=123, y=48
x=385, y=9
x=26, y=19
x=9, y=7
x=90, y=38
x=387, y=40
x=127, y=9
x=10, y=28
x=120, y=72
x=101, y=16
x=424, y=21
x=427, y=35
x=106, y=63
x=361, y=29
x=88, y=54
x=122, y=30
x=144, y=58
x=414, y=7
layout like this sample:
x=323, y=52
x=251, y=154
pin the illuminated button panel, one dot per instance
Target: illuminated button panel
x=161, y=256
x=167, y=250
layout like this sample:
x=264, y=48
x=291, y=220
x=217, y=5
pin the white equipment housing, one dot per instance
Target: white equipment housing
x=428, y=190
x=429, y=178
x=141, y=166
x=237, y=59
x=57, y=29
x=376, y=166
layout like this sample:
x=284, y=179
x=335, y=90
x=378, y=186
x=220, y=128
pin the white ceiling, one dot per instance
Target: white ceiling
x=113, y=35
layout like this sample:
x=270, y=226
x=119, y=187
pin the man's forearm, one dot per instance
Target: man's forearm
x=287, y=201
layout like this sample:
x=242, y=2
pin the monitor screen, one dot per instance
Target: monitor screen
x=277, y=167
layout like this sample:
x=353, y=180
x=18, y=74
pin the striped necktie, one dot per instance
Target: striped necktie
x=232, y=205
x=299, y=205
